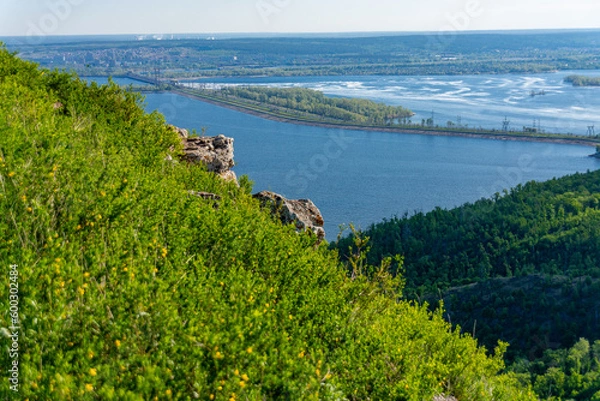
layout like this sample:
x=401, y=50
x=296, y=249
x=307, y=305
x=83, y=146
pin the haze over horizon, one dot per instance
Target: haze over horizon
x=85, y=17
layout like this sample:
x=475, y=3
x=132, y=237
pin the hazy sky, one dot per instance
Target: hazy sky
x=61, y=17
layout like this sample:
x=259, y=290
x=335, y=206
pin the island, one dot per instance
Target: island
x=310, y=107
x=582, y=80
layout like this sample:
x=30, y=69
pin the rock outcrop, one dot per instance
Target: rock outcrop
x=302, y=213
x=216, y=153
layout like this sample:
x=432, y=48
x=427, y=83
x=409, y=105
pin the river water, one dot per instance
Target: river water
x=363, y=177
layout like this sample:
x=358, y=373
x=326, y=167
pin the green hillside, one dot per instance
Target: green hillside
x=523, y=267
x=550, y=228
x=131, y=289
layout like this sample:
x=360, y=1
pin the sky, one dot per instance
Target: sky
x=94, y=17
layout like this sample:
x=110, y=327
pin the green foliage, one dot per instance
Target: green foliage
x=568, y=374
x=131, y=289
x=532, y=313
x=550, y=228
x=315, y=104
x=582, y=80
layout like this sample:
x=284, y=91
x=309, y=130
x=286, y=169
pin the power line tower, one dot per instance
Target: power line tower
x=505, y=124
x=591, y=130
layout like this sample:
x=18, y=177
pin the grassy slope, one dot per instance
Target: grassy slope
x=131, y=289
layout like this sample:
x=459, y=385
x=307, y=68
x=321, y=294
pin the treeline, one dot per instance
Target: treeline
x=315, y=103
x=566, y=374
x=582, y=80
x=550, y=228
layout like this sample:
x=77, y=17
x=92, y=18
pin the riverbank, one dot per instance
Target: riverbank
x=497, y=135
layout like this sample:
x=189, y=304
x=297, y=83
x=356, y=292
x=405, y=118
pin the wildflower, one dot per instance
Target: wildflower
x=236, y=372
x=218, y=355
x=212, y=396
x=93, y=372
x=89, y=387
x=249, y=350
x=91, y=354
x=11, y=174
x=86, y=274
x=245, y=377
x=301, y=354
x=80, y=291
x=168, y=392
x=24, y=198
x=29, y=210
x=242, y=384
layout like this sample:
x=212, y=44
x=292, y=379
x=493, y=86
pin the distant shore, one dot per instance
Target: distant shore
x=433, y=132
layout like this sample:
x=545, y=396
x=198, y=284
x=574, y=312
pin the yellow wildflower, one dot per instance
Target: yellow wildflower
x=89, y=387
x=117, y=343
x=93, y=372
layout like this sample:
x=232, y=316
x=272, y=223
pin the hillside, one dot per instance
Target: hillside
x=549, y=228
x=131, y=289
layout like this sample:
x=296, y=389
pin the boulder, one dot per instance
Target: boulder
x=183, y=133
x=214, y=152
x=302, y=213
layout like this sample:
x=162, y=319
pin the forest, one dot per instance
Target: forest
x=313, y=104
x=521, y=267
x=131, y=288
x=582, y=80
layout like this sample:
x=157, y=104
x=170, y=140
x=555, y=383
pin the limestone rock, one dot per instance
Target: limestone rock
x=183, y=133
x=444, y=398
x=205, y=195
x=302, y=213
x=215, y=152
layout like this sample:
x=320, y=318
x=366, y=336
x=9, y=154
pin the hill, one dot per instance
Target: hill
x=548, y=228
x=124, y=286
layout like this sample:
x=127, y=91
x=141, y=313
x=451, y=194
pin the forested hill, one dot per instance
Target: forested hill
x=130, y=288
x=551, y=228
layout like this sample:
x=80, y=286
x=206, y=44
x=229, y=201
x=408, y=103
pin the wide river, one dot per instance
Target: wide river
x=363, y=177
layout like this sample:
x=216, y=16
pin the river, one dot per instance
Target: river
x=363, y=177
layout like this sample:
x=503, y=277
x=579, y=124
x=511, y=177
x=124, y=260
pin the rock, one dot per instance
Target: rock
x=205, y=195
x=444, y=398
x=183, y=133
x=302, y=213
x=214, y=152
x=229, y=176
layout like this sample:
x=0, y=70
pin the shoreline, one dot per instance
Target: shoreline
x=435, y=132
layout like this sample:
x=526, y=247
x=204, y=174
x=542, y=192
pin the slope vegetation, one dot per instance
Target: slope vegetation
x=131, y=289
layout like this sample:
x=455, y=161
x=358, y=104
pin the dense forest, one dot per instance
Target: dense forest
x=549, y=228
x=582, y=80
x=522, y=267
x=129, y=288
x=315, y=104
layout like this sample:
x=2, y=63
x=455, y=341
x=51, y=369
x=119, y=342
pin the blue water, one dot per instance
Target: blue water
x=364, y=177
x=471, y=100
